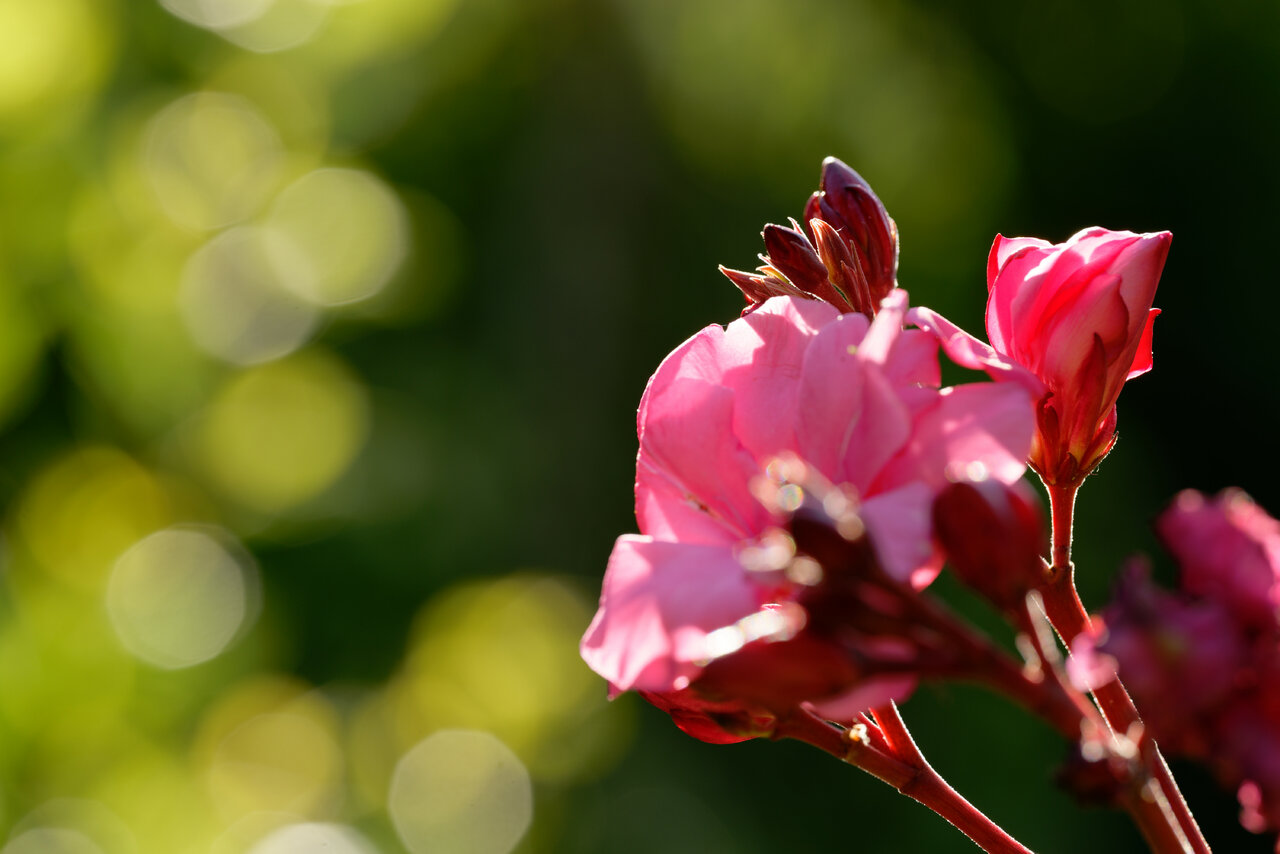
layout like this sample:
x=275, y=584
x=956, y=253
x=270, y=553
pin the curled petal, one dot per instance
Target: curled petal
x=1142, y=356
x=970, y=352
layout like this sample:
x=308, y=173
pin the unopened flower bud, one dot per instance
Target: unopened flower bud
x=993, y=536
x=848, y=204
x=1078, y=315
x=845, y=254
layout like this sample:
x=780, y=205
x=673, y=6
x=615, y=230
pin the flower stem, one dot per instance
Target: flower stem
x=1062, y=505
x=884, y=748
x=1069, y=618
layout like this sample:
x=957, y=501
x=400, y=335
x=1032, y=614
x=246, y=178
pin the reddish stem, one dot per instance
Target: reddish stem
x=888, y=753
x=1069, y=618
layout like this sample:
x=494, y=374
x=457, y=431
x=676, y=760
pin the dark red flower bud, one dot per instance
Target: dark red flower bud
x=846, y=253
x=845, y=270
x=993, y=536
x=847, y=203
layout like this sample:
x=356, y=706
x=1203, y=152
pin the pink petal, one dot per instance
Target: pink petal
x=658, y=604
x=762, y=356
x=914, y=360
x=1066, y=338
x=970, y=352
x=973, y=431
x=1142, y=358
x=849, y=420
x=900, y=525
x=885, y=329
x=1141, y=265
x=697, y=357
x=1011, y=284
x=691, y=467
x=1068, y=285
x=1005, y=248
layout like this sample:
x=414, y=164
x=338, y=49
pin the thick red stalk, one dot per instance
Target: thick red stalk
x=888, y=753
x=1069, y=618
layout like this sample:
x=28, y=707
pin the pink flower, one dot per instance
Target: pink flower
x=1229, y=550
x=859, y=402
x=1203, y=664
x=1179, y=657
x=1078, y=315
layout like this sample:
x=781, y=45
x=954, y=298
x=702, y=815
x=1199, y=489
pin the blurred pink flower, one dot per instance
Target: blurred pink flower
x=1180, y=658
x=1229, y=550
x=1078, y=315
x=1203, y=663
x=858, y=401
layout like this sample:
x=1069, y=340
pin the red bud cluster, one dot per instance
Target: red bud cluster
x=845, y=253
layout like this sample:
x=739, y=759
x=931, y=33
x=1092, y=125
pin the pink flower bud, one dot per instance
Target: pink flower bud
x=993, y=537
x=1079, y=316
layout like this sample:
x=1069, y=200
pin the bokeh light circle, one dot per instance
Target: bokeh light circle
x=51, y=840
x=52, y=52
x=217, y=14
x=212, y=159
x=313, y=838
x=461, y=791
x=271, y=746
x=233, y=306
x=178, y=597
x=337, y=235
x=279, y=434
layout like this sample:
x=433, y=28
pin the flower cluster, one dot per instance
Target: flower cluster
x=803, y=475
x=1203, y=663
x=859, y=402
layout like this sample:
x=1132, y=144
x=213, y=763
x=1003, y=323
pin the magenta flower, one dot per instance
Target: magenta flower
x=1229, y=551
x=1203, y=663
x=859, y=402
x=1079, y=316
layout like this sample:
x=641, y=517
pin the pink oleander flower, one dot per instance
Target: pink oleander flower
x=1203, y=663
x=1179, y=658
x=859, y=403
x=1229, y=551
x=1079, y=316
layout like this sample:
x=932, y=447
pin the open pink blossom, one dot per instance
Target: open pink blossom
x=1078, y=315
x=857, y=400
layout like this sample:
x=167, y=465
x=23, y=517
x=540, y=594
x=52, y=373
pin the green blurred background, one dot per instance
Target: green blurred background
x=322, y=327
